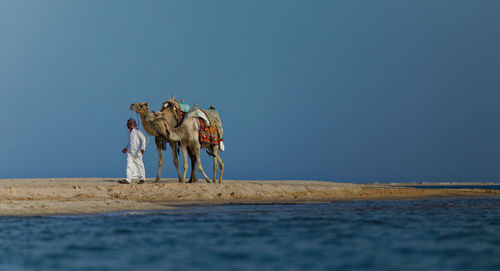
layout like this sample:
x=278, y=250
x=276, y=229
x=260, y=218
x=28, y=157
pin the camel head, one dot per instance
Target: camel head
x=153, y=116
x=158, y=121
x=141, y=108
x=165, y=116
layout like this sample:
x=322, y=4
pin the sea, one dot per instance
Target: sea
x=431, y=234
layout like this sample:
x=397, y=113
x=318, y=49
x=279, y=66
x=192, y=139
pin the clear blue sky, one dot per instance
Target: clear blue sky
x=355, y=91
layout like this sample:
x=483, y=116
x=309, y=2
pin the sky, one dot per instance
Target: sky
x=346, y=91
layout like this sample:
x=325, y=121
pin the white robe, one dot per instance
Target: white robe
x=135, y=166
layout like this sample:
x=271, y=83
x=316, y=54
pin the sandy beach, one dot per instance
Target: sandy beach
x=54, y=196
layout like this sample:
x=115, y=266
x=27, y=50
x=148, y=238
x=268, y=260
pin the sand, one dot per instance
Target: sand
x=59, y=196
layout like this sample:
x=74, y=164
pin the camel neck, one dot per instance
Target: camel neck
x=176, y=132
x=146, y=125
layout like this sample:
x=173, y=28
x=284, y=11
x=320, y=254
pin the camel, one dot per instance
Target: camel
x=187, y=133
x=142, y=109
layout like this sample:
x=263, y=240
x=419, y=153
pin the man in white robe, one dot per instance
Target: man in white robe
x=134, y=150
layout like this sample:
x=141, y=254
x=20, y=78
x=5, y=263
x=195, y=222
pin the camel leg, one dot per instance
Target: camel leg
x=196, y=151
x=213, y=150
x=185, y=162
x=173, y=146
x=217, y=159
x=193, y=178
x=215, y=169
x=221, y=164
x=160, y=157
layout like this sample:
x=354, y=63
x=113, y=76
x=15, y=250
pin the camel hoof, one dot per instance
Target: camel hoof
x=208, y=180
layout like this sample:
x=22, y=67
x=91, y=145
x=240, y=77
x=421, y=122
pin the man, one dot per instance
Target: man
x=134, y=150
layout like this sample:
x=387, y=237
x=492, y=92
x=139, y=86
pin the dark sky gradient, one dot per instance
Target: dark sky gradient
x=354, y=91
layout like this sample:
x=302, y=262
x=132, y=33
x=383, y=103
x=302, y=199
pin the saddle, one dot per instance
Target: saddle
x=211, y=131
x=213, y=116
x=179, y=113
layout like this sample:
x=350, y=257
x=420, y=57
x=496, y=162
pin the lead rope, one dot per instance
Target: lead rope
x=139, y=120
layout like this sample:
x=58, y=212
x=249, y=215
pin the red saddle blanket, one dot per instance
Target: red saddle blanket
x=209, y=134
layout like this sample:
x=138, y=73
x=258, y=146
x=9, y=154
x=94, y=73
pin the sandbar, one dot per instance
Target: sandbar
x=65, y=196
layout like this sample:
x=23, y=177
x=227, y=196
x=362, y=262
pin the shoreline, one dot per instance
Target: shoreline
x=71, y=196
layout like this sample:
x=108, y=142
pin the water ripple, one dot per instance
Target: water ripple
x=440, y=234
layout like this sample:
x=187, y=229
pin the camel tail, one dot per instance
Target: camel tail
x=163, y=145
x=178, y=148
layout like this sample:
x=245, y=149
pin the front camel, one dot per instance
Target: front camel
x=142, y=109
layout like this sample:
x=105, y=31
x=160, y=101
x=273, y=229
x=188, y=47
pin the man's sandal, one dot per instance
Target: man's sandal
x=141, y=182
x=124, y=182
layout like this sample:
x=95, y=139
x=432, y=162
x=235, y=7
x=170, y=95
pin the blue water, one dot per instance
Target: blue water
x=438, y=234
x=488, y=187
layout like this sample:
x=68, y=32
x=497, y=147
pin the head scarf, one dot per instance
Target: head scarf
x=132, y=123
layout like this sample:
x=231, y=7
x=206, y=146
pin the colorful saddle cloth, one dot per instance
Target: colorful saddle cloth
x=209, y=133
x=214, y=118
